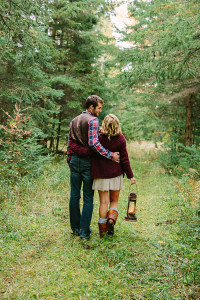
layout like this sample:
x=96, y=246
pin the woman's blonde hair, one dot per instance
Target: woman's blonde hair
x=111, y=126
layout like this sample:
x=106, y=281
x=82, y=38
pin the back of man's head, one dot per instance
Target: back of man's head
x=93, y=100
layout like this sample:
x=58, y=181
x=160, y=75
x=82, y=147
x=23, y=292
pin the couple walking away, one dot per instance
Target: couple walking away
x=97, y=159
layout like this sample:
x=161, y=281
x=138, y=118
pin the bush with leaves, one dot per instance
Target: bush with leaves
x=178, y=159
x=20, y=153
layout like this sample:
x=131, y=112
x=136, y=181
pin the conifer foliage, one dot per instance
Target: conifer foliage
x=163, y=66
x=48, y=62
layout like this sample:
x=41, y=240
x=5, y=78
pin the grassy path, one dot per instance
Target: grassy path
x=40, y=259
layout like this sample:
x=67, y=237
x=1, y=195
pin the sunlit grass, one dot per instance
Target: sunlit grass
x=40, y=259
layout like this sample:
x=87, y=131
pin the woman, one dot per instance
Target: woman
x=107, y=174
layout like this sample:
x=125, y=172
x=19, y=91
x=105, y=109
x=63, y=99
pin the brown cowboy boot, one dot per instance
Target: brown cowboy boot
x=112, y=218
x=102, y=229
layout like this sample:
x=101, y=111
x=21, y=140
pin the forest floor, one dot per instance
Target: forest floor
x=153, y=258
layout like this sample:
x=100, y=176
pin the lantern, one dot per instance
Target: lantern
x=131, y=217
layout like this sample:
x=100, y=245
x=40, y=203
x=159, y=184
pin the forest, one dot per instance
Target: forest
x=53, y=55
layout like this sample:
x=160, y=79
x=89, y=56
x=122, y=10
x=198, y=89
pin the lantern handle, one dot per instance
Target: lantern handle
x=136, y=188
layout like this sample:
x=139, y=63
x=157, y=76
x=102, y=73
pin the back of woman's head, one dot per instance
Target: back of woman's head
x=111, y=126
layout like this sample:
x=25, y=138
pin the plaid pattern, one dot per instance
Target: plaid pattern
x=93, y=139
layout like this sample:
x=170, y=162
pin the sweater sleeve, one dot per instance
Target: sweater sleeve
x=124, y=159
x=80, y=150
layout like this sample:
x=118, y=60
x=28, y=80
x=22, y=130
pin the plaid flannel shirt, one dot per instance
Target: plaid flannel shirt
x=93, y=139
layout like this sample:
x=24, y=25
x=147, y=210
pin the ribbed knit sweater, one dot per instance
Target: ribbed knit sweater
x=103, y=167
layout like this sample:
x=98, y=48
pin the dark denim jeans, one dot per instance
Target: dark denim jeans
x=80, y=172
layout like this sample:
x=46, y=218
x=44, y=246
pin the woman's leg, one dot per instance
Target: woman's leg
x=104, y=200
x=103, y=208
x=113, y=211
x=114, y=197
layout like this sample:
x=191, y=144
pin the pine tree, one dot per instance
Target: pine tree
x=77, y=70
x=164, y=63
x=49, y=61
x=26, y=61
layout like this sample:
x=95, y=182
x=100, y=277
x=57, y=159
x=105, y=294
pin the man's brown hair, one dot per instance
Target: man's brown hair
x=93, y=100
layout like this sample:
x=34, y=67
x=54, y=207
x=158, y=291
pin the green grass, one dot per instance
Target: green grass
x=40, y=259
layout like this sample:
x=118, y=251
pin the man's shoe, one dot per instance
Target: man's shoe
x=84, y=235
x=76, y=232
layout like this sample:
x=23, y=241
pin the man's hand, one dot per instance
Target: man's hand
x=116, y=157
x=132, y=180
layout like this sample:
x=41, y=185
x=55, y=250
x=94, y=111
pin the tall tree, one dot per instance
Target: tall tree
x=164, y=61
x=49, y=61
x=71, y=27
x=26, y=61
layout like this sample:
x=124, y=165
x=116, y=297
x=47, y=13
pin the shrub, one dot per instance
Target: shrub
x=20, y=154
x=178, y=159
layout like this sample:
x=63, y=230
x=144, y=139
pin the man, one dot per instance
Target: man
x=84, y=131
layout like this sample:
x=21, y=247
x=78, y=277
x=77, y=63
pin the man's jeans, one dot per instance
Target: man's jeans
x=81, y=173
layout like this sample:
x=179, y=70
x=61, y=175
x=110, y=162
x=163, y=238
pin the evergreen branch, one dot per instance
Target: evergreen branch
x=4, y=22
x=186, y=60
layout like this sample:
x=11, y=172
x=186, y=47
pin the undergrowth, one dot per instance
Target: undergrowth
x=154, y=258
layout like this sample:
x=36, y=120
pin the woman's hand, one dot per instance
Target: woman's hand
x=132, y=180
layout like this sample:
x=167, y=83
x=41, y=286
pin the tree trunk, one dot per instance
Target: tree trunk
x=52, y=133
x=58, y=131
x=45, y=142
x=189, y=121
x=51, y=142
